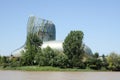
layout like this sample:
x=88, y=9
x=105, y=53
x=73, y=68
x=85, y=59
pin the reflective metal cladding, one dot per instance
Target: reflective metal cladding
x=43, y=28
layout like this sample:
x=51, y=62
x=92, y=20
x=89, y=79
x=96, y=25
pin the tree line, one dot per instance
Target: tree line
x=73, y=55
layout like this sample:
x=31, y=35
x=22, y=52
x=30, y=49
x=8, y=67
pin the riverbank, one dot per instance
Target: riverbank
x=48, y=68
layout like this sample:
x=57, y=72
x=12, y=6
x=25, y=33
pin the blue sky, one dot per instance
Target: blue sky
x=98, y=19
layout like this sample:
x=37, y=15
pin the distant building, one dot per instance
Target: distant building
x=46, y=31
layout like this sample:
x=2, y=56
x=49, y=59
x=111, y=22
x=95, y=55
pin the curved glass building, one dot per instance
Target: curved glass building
x=43, y=28
x=46, y=31
x=58, y=45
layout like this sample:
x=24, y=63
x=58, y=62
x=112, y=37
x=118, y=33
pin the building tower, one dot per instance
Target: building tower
x=44, y=29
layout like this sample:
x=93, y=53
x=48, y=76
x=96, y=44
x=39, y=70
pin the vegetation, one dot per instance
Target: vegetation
x=45, y=68
x=113, y=61
x=32, y=47
x=73, y=48
x=73, y=58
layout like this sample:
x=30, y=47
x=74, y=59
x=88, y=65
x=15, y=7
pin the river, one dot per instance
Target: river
x=27, y=75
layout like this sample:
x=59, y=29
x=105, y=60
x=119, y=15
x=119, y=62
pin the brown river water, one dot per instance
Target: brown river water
x=26, y=75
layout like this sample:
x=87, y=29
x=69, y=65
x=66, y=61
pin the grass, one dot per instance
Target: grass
x=46, y=68
x=37, y=68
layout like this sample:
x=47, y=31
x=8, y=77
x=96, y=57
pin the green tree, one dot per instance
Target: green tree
x=96, y=55
x=0, y=60
x=49, y=55
x=94, y=63
x=113, y=61
x=60, y=60
x=4, y=61
x=40, y=58
x=14, y=61
x=73, y=48
x=33, y=44
x=104, y=62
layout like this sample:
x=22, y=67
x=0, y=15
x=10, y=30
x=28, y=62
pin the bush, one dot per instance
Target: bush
x=82, y=65
x=114, y=61
x=60, y=60
x=94, y=63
